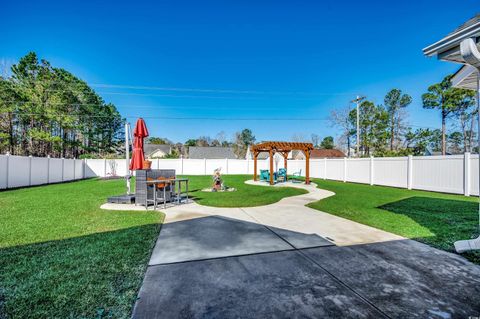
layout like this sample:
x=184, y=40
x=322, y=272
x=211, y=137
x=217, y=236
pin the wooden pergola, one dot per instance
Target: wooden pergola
x=283, y=148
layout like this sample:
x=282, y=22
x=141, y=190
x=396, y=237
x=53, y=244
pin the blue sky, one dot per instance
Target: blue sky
x=282, y=59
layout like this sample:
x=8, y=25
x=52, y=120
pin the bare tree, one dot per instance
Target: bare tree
x=315, y=139
x=299, y=137
x=395, y=103
x=221, y=138
x=340, y=118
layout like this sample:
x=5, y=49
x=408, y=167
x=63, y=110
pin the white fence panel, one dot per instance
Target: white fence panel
x=263, y=164
x=317, y=168
x=474, y=175
x=79, y=167
x=39, y=170
x=437, y=173
x=236, y=166
x=194, y=167
x=95, y=167
x=3, y=171
x=295, y=166
x=390, y=171
x=114, y=167
x=175, y=164
x=213, y=164
x=121, y=167
x=358, y=170
x=18, y=171
x=55, y=170
x=335, y=169
x=68, y=169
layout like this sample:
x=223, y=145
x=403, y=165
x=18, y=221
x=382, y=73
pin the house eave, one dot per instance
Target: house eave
x=453, y=40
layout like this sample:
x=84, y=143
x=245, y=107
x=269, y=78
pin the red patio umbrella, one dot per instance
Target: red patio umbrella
x=139, y=133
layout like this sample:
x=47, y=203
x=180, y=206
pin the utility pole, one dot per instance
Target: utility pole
x=357, y=101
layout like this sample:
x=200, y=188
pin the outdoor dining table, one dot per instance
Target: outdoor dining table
x=176, y=184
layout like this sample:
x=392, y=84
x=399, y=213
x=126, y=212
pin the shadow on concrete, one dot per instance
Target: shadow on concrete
x=218, y=236
x=270, y=285
x=396, y=279
x=405, y=278
x=446, y=220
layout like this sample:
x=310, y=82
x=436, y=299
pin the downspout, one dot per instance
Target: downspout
x=471, y=55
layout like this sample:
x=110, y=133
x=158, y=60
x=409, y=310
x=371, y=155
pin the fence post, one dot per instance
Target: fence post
x=344, y=169
x=325, y=170
x=248, y=166
x=84, y=166
x=371, y=170
x=181, y=163
x=63, y=167
x=409, y=172
x=158, y=163
x=8, y=169
x=30, y=170
x=74, y=169
x=466, y=172
x=204, y=166
x=226, y=166
x=104, y=167
x=48, y=169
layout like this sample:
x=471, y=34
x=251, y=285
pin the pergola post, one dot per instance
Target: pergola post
x=255, y=155
x=307, y=166
x=285, y=157
x=270, y=152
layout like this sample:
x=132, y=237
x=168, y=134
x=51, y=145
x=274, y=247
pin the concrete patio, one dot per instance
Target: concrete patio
x=286, y=260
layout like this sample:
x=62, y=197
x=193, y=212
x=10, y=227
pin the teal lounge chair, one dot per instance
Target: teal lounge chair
x=264, y=175
x=282, y=175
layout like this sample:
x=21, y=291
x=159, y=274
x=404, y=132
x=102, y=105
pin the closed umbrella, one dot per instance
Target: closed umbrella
x=139, y=133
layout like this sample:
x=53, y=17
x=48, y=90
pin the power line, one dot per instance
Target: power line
x=185, y=118
x=200, y=96
x=151, y=106
x=156, y=88
x=198, y=90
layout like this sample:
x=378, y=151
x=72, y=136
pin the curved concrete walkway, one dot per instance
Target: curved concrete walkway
x=289, y=213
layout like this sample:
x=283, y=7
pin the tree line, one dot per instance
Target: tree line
x=384, y=130
x=46, y=110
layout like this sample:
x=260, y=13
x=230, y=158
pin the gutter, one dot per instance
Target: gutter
x=451, y=41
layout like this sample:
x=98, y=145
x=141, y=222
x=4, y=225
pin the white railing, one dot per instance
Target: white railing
x=456, y=174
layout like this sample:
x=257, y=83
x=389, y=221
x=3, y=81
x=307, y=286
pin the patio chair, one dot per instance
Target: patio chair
x=296, y=177
x=264, y=175
x=282, y=175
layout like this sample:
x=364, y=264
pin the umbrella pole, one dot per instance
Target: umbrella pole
x=127, y=158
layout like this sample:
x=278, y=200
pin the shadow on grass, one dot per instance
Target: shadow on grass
x=90, y=276
x=449, y=220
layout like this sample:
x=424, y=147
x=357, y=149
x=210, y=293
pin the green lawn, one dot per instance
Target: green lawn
x=433, y=218
x=61, y=256
x=244, y=196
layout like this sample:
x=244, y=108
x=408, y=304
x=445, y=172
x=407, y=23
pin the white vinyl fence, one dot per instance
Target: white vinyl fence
x=20, y=171
x=456, y=174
